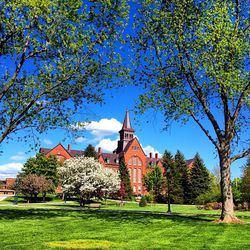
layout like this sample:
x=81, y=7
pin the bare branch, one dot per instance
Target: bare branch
x=239, y=156
x=204, y=130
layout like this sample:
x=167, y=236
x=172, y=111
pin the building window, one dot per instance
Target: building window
x=107, y=160
x=139, y=189
x=134, y=176
x=130, y=173
x=130, y=161
x=134, y=161
x=58, y=157
x=139, y=175
x=139, y=162
x=134, y=189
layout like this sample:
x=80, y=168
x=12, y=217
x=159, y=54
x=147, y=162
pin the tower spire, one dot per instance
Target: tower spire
x=126, y=133
x=126, y=122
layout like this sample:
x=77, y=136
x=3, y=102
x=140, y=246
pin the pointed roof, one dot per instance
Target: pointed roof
x=126, y=123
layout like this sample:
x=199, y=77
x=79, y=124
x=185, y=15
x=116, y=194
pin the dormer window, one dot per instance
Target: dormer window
x=107, y=160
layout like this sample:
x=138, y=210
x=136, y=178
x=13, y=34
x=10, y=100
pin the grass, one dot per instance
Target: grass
x=56, y=225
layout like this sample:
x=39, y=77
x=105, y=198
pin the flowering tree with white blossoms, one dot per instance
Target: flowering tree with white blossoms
x=86, y=178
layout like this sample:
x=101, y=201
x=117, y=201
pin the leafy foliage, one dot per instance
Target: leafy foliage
x=246, y=181
x=87, y=178
x=153, y=182
x=56, y=56
x=143, y=201
x=193, y=57
x=33, y=184
x=42, y=166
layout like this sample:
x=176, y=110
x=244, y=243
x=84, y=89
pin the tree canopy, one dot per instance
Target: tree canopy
x=90, y=151
x=55, y=56
x=42, y=166
x=193, y=57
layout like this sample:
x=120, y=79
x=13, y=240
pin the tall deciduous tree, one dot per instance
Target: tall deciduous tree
x=125, y=189
x=192, y=58
x=55, y=56
x=33, y=184
x=153, y=182
x=42, y=166
x=199, y=179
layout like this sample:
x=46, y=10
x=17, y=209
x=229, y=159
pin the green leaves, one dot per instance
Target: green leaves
x=56, y=53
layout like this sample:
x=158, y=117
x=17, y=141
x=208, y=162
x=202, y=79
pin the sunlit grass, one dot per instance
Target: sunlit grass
x=65, y=226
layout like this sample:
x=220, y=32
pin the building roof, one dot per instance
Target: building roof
x=126, y=123
x=113, y=158
x=71, y=152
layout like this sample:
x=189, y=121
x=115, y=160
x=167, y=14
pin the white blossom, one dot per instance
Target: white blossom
x=85, y=176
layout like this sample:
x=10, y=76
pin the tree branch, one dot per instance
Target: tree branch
x=239, y=103
x=204, y=130
x=197, y=90
x=239, y=156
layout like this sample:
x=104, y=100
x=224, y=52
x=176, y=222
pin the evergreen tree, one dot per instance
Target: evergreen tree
x=125, y=188
x=181, y=178
x=90, y=152
x=168, y=164
x=199, y=178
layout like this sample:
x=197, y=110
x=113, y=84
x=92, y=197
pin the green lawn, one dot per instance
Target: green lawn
x=56, y=225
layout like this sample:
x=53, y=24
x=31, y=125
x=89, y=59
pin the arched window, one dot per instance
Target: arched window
x=139, y=175
x=134, y=161
x=134, y=175
x=139, y=162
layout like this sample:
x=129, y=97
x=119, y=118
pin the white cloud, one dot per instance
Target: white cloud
x=100, y=129
x=149, y=149
x=104, y=127
x=18, y=157
x=80, y=139
x=47, y=142
x=10, y=169
x=107, y=145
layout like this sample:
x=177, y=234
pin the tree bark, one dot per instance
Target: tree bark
x=227, y=212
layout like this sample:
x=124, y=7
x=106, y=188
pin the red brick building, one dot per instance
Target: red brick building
x=6, y=186
x=128, y=148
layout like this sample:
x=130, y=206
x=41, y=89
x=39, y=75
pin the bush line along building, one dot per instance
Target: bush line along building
x=128, y=148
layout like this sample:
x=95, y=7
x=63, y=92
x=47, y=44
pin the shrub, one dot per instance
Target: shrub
x=149, y=198
x=209, y=197
x=213, y=206
x=143, y=202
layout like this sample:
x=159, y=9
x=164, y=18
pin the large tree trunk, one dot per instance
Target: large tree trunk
x=227, y=212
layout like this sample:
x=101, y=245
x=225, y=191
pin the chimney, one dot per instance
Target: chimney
x=150, y=155
x=156, y=155
x=68, y=147
x=99, y=150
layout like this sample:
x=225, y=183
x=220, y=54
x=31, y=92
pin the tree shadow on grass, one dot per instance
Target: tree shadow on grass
x=117, y=216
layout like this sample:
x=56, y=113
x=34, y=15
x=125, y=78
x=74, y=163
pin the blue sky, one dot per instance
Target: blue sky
x=106, y=121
